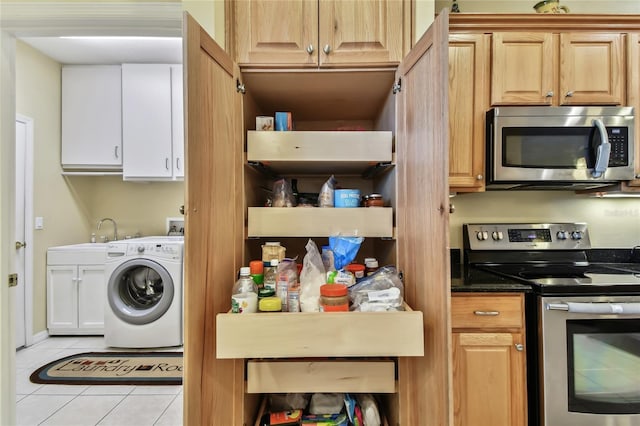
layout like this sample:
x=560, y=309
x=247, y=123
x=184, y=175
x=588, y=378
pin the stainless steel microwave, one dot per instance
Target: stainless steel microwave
x=559, y=147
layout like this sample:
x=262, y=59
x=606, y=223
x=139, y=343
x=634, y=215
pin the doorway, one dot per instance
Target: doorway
x=23, y=260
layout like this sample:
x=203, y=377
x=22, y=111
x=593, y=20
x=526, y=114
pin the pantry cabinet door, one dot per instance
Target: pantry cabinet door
x=360, y=32
x=214, y=222
x=283, y=32
x=422, y=220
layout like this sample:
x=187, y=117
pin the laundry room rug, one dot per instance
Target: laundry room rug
x=113, y=368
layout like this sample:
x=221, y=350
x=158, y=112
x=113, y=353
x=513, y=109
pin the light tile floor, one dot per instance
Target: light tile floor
x=73, y=405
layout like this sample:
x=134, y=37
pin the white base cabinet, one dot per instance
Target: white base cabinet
x=76, y=291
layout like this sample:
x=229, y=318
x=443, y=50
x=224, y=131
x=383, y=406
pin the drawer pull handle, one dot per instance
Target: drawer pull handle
x=486, y=313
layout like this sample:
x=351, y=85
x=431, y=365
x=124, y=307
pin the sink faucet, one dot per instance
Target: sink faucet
x=115, y=227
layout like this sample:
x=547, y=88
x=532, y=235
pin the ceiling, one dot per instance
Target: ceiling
x=109, y=50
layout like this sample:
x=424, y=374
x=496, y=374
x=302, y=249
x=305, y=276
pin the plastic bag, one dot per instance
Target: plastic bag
x=326, y=403
x=381, y=291
x=288, y=401
x=369, y=407
x=325, y=198
x=311, y=278
x=344, y=249
x=282, y=194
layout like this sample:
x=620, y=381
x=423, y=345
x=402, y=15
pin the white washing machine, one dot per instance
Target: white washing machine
x=144, y=292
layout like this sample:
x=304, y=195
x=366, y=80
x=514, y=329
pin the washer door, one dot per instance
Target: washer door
x=140, y=291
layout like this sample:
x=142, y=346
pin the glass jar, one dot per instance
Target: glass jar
x=334, y=298
x=373, y=200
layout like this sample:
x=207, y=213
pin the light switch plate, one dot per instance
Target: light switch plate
x=39, y=222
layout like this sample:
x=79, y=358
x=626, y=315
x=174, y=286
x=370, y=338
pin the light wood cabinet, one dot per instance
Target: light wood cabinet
x=468, y=101
x=312, y=33
x=545, y=68
x=222, y=356
x=489, y=359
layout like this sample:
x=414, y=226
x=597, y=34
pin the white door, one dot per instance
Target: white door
x=19, y=292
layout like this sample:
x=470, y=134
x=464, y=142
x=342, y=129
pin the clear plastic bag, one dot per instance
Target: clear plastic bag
x=312, y=277
x=325, y=198
x=381, y=291
x=282, y=194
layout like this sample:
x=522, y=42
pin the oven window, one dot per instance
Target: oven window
x=547, y=147
x=604, y=366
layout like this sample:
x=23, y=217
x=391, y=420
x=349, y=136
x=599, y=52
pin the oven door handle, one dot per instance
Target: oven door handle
x=606, y=308
x=603, y=151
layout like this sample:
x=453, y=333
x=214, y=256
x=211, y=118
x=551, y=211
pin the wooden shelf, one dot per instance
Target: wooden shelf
x=320, y=334
x=348, y=152
x=320, y=222
x=292, y=376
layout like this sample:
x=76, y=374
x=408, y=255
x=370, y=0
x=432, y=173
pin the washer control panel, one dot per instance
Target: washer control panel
x=164, y=250
x=526, y=236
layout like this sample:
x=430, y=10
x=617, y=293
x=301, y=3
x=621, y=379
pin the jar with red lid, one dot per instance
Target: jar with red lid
x=357, y=269
x=334, y=298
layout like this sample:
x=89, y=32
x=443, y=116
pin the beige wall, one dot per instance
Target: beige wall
x=210, y=16
x=526, y=6
x=613, y=222
x=71, y=206
x=65, y=218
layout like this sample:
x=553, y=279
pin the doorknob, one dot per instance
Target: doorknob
x=20, y=244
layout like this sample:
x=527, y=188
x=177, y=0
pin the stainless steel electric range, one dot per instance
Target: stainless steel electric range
x=583, y=320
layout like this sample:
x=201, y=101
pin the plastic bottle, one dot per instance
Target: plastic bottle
x=371, y=265
x=271, y=275
x=257, y=272
x=93, y=237
x=244, y=296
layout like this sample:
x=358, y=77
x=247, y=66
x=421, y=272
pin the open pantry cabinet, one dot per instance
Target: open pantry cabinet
x=233, y=361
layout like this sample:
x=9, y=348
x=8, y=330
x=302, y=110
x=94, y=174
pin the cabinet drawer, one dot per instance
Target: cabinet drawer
x=317, y=222
x=321, y=376
x=501, y=311
x=319, y=334
x=319, y=151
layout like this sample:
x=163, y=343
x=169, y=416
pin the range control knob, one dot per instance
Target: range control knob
x=497, y=235
x=576, y=235
x=482, y=235
x=562, y=235
x=140, y=249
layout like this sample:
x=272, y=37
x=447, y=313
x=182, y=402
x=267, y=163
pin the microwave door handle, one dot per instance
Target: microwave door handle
x=596, y=308
x=604, y=150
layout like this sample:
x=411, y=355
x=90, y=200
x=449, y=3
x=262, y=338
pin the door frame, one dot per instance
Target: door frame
x=27, y=277
x=35, y=18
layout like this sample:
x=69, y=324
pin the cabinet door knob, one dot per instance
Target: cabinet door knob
x=549, y=94
x=310, y=49
x=479, y=177
x=519, y=347
x=326, y=49
x=569, y=94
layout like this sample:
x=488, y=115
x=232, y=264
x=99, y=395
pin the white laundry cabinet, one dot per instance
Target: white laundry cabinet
x=76, y=289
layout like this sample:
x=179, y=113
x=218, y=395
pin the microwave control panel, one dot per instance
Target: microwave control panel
x=619, y=140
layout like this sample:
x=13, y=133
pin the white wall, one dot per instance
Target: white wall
x=613, y=222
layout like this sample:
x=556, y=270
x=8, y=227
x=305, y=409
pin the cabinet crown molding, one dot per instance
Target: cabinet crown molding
x=484, y=22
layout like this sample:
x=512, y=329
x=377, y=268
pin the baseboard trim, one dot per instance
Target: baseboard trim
x=39, y=337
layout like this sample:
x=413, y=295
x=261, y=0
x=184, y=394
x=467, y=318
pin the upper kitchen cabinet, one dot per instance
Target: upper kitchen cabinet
x=545, y=68
x=152, y=122
x=468, y=101
x=91, y=118
x=312, y=33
